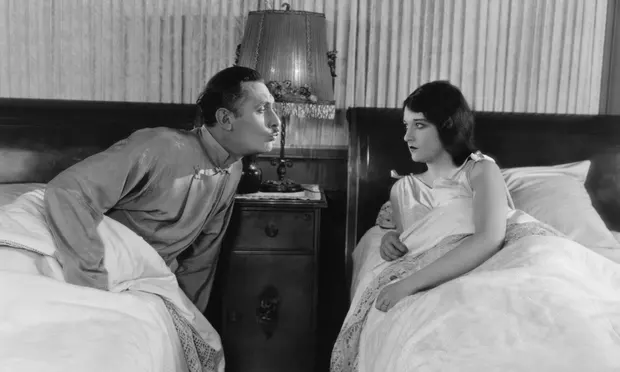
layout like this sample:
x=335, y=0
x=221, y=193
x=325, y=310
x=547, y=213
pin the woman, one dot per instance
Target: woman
x=439, y=132
x=526, y=307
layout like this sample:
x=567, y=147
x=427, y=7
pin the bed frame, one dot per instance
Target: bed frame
x=376, y=146
x=40, y=138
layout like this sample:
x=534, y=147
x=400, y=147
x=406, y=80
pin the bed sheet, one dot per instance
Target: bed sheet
x=48, y=325
x=366, y=254
x=142, y=324
x=543, y=303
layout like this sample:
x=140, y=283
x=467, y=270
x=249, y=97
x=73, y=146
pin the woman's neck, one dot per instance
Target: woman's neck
x=442, y=166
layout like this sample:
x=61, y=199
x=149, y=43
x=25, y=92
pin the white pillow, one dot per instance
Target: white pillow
x=556, y=195
x=11, y=191
x=128, y=258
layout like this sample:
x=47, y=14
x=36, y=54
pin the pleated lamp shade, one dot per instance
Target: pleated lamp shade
x=289, y=49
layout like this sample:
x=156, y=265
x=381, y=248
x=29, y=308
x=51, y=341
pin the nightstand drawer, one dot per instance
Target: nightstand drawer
x=275, y=230
x=268, y=312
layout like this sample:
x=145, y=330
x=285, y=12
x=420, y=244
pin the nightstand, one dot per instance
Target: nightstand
x=266, y=285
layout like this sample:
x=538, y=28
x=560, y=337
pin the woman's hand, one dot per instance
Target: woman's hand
x=391, y=246
x=391, y=294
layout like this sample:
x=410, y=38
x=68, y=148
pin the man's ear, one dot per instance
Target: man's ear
x=224, y=118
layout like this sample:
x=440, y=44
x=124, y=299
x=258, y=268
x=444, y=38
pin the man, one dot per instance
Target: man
x=174, y=188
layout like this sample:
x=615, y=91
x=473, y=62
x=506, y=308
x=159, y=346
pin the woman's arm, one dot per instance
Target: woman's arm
x=396, y=210
x=490, y=230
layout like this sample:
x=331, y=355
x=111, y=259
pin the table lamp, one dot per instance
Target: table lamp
x=289, y=49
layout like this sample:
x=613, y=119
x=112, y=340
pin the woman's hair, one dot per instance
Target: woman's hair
x=444, y=106
x=224, y=90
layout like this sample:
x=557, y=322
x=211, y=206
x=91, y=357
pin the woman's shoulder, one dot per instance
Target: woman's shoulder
x=400, y=180
x=478, y=160
x=479, y=156
x=476, y=163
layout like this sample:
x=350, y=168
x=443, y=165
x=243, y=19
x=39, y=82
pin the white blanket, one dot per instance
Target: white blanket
x=543, y=303
x=144, y=323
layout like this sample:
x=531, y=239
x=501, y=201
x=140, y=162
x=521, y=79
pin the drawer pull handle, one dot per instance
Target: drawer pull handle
x=267, y=310
x=271, y=230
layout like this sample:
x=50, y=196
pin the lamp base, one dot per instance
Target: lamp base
x=280, y=186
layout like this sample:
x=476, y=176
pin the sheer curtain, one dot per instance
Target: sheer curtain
x=506, y=55
x=116, y=50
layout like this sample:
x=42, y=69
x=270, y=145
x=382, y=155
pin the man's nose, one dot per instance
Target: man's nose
x=274, y=122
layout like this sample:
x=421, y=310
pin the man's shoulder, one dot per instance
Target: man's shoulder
x=160, y=137
x=158, y=133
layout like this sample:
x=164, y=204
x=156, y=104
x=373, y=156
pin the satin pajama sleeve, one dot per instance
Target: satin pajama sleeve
x=76, y=200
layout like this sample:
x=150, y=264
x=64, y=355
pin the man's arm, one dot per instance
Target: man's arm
x=77, y=198
x=198, y=264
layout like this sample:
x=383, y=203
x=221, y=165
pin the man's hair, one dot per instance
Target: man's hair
x=224, y=89
x=444, y=106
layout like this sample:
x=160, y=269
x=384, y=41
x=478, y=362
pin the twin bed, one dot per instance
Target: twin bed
x=145, y=322
x=548, y=301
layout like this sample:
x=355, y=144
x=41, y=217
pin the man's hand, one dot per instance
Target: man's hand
x=391, y=246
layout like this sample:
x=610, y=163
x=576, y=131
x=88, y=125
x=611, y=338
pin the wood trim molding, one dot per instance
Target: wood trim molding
x=353, y=164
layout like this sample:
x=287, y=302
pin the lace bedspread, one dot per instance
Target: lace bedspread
x=346, y=348
x=200, y=357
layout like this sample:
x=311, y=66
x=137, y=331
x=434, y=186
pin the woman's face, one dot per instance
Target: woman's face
x=422, y=137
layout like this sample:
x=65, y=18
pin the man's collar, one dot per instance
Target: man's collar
x=216, y=153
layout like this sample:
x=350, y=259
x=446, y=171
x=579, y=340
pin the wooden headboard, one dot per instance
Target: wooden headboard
x=376, y=146
x=40, y=138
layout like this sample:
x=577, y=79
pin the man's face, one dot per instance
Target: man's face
x=256, y=126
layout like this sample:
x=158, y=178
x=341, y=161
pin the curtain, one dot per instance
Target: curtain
x=505, y=55
x=116, y=50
